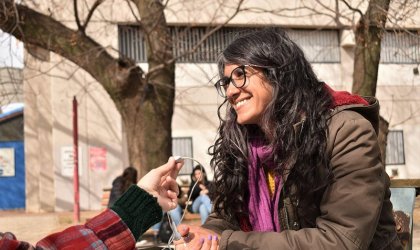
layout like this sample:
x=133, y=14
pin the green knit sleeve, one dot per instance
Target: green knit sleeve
x=138, y=209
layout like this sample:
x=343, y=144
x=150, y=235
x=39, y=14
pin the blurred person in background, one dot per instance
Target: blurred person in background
x=122, y=183
x=201, y=202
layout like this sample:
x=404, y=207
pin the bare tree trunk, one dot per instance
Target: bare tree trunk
x=148, y=136
x=369, y=33
x=153, y=139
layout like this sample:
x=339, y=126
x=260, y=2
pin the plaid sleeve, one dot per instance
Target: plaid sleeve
x=115, y=228
x=104, y=231
x=8, y=242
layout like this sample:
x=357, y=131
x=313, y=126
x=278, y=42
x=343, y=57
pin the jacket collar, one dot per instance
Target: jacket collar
x=369, y=112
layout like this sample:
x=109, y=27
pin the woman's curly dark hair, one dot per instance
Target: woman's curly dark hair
x=298, y=97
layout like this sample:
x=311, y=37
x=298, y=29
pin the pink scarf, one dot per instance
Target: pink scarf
x=263, y=210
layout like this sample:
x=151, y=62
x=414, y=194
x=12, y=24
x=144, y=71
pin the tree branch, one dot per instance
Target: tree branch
x=76, y=16
x=199, y=43
x=132, y=11
x=40, y=30
x=90, y=14
x=353, y=9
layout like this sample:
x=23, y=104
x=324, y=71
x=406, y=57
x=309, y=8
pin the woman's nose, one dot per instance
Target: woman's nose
x=232, y=91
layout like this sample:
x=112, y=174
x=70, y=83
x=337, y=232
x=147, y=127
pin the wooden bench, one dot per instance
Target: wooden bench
x=106, y=192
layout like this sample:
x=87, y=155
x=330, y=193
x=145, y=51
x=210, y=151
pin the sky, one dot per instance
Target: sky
x=11, y=51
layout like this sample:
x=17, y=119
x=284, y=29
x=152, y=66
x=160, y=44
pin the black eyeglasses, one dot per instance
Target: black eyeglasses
x=237, y=78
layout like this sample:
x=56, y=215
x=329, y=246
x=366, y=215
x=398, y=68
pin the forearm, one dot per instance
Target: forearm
x=308, y=238
x=325, y=236
x=218, y=225
x=116, y=228
x=8, y=241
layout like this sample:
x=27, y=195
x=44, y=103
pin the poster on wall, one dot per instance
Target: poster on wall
x=7, y=162
x=97, y=158
x=67, y=161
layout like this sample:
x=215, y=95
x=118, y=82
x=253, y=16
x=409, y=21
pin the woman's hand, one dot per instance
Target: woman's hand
x=194, y=237
x=160, y=183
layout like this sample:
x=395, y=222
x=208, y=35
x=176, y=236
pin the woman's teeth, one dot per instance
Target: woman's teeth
x=240, y=103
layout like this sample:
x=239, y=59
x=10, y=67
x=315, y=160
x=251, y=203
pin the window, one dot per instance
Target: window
x=182, y=146
x=131, y=43
x=320, y=46
x=395, y=148
x=185, y=40
x=400, y=47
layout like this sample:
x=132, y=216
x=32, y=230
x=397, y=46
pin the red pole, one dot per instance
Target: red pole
x=76, y=207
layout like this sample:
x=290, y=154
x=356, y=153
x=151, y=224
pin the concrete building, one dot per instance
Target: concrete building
x=325, y=36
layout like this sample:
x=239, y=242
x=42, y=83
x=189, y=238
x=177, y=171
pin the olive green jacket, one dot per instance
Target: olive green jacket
x=355, y=211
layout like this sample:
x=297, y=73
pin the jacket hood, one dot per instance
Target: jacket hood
x=341, y=98
x=367, y=106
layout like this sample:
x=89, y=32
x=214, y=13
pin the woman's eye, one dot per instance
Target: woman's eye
x=225, y=83
x=238, y=74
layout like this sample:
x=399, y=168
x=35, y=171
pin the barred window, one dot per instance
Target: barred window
x=395, y=148
x=186, y=39
x=131, y=43
x=182, y=146
x=319, y=46
x=400, y=47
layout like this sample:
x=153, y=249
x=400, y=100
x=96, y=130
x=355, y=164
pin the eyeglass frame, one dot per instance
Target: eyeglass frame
x=233, y=82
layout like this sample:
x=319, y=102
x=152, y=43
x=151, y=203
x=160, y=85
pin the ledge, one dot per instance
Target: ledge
x=405, y=183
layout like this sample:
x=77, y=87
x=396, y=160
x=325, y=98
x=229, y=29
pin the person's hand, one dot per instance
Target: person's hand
x=160, y=183
x=194, y=237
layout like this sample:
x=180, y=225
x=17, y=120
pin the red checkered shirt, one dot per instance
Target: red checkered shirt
x=104, y=231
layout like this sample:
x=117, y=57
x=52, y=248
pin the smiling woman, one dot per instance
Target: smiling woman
x=291, y=155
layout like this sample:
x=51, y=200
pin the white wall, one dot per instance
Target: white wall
x=49, y=128
x=399, y=94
